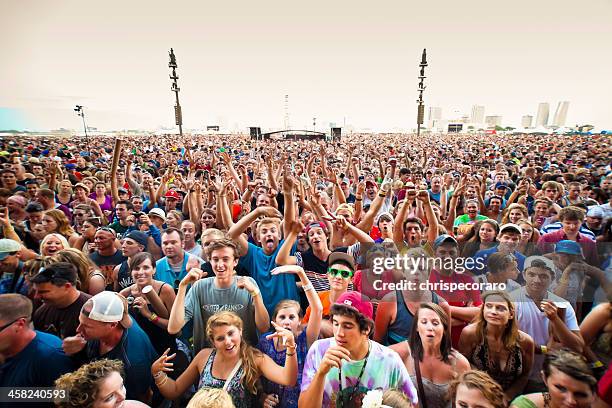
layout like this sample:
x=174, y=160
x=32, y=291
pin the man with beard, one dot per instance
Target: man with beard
x=509, y=237
x=106, y=256
x=176, y=263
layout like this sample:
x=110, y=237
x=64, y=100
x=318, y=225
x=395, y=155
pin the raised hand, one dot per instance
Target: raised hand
x=269, y=212
x=194, y=275
x=281, y=332
x=333, y=358
x=163, y=363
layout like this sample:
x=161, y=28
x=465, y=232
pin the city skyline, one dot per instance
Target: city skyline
x=342, y=63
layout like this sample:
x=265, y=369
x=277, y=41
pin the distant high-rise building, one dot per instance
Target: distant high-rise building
x=435, y=115
x=526, y=121
x=561, y=114
x=542, y=117
x=493, y=121
x=478, y=112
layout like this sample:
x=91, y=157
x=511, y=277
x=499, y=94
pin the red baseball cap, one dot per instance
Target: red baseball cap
x=357, y=301
x=172, y=194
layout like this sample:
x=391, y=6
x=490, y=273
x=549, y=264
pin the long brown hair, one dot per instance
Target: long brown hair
x=416, y=346
x=510, y=335
x=63, y=225
x=85, y=266
x=248, y=354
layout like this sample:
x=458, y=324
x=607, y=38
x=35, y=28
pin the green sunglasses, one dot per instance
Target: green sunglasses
x=337, y=272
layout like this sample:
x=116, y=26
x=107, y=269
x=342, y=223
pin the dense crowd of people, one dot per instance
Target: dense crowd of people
x=377, y=271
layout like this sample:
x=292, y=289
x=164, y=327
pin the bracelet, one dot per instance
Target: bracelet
x=291, y=346
x=308, y=287
x=543, y=349
x=290, y=354
x=382, y=194
x=162, y=382
x=597, y=364
x=358, y=199
x=255, y=293
x=154, y=317
x=158, y=374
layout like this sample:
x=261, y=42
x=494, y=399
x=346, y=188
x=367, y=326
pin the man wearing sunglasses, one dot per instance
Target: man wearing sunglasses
x=11, y=268
x=55, y=286
x=339, y=275
x=29, y=358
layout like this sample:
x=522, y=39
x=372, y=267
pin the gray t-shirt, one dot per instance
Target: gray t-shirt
x=205, y=299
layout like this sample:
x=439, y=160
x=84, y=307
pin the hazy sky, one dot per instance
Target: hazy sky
x=352, y=61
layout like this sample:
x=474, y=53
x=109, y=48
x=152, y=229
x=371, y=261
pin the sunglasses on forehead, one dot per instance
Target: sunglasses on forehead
x=339, y=272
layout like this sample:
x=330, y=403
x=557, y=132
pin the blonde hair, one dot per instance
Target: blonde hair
x=474, y=379
x=63, y=225
x=283, y=304
x=82, y=385
x=211, y=398
x=248, y=354
x=85, y=266
x=60, y=237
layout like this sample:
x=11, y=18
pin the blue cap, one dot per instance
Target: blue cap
x=70, y=166
x=501, y=184
x=568, y=247
x=442, y=239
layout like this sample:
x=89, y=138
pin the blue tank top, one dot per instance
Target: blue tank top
x=399, y=330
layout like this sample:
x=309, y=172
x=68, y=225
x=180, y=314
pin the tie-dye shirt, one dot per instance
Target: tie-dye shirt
x=384, y=370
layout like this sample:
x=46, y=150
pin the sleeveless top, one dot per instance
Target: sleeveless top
x=288, y=396
x=436, y=394
x=124, y=277
x=399, y=330
x=481, y=359
x=241, y=397
x=160, y=338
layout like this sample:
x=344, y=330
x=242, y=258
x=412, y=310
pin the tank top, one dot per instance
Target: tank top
x=436, y=394
x=160, y=338
x=124, y=277
x=481, y=359
x=241, y=397
x=399, y=330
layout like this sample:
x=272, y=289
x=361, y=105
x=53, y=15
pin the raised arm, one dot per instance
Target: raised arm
x=283, y=256
x=236, y=231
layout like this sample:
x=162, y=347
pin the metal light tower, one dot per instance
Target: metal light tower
x=81, y=112
x=421, y=107
x=177, y=108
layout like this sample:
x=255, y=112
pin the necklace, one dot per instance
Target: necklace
x=356, y=386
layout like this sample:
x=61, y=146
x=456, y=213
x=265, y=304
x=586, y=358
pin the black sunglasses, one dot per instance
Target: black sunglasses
x=11, y=323
x=107, y=229
x=339, y=272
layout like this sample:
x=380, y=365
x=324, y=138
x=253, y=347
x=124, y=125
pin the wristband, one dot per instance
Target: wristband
x=255, y=293
x=308, y=287
x=382, y=194
x=358, y=199
x=158, y=374
x=543, y=349
x=597, y=364
x=290, y=354
x=154, y=317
